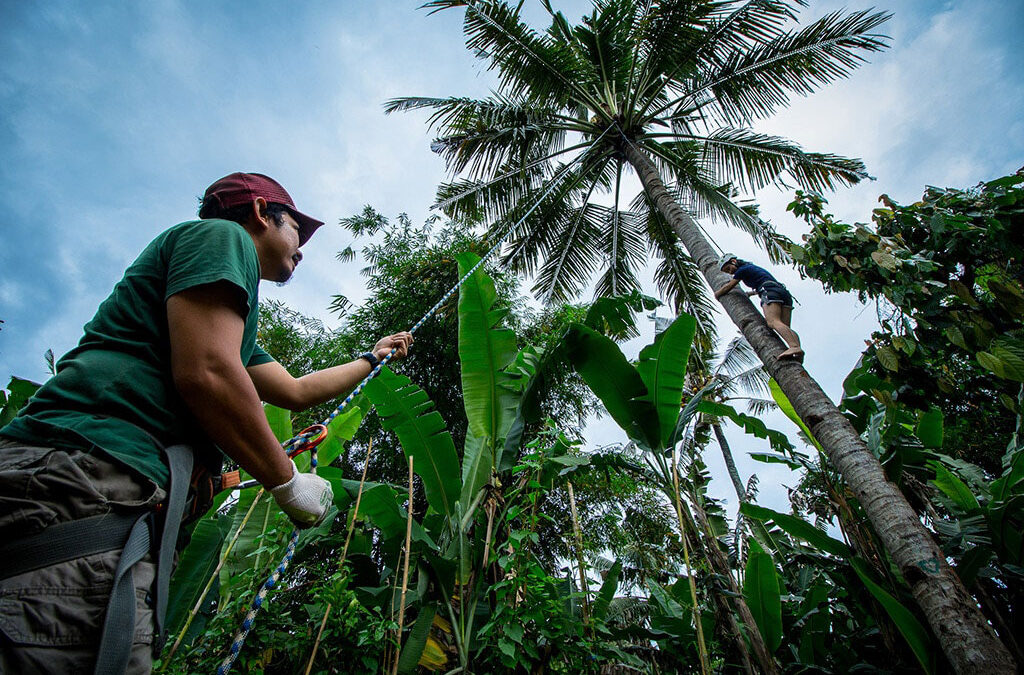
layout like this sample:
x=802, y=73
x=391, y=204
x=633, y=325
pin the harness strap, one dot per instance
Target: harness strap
x=119, y=623
x=180, y=460
x=65, y=541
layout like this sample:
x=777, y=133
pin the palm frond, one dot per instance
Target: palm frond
x=678, y=279
x=754, y=160
x=755, y=83
x=761, y=406
x=527, y=62
x=477, y=135
x=753, y=22
x=752, y=381
x=622, y=243
x=573, y=258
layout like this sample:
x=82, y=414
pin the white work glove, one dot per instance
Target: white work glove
x=306, y=498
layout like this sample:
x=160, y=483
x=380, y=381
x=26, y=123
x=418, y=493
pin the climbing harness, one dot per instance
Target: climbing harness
x=302, y=439
x=134, y=535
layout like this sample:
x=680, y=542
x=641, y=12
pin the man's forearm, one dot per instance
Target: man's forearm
x=329, y=383
x=225, y=402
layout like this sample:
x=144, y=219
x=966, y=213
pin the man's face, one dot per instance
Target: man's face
x=280, y=252
x=729, y=267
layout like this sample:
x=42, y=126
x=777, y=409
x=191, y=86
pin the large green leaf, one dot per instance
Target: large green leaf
x=417, y=640
x=280, y=421
x=607, y=592
x=662, y=367
x=751, y=425
x=787, y=408
x=195, y=566
x=265, y=515
x=484, y=352
x=953, y=487
x=761, y=589
x=910, y=628
x=799, y=528
x=341, y=429
x=380, y=505
x=615, y=316
x=477, y=464
x=20, y=390
x=604, y=368
x=408, y=411
x=929, y=428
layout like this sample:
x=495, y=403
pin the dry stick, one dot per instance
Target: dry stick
x=344, y=553
x=702, y=648
x=405, y=574
x=579, y=556
x=209, y=584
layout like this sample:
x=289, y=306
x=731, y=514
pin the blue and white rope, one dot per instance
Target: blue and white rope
x=257, y=603
x=239, y=640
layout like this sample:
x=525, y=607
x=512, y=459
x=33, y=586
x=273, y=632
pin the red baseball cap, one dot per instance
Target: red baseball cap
x=243, y=188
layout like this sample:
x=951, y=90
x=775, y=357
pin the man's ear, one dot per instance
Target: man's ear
x=258, y=216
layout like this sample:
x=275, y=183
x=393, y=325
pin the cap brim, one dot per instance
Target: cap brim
x=307, y=225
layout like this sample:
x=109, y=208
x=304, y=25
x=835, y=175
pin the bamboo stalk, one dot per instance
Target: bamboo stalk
x=579, y=555
x=209, y=584
x=355, y=514
x=405, y=574
x=344, y=554
x=702, y=647
x=316, y=643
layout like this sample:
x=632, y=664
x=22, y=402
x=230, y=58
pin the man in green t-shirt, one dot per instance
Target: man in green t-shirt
x=169, y=359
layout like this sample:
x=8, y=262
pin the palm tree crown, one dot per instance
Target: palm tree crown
x=679, y=80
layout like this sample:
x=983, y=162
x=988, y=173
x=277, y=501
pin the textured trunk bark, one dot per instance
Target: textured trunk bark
x=966, y=638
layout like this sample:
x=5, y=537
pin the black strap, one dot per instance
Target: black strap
x=65, y=541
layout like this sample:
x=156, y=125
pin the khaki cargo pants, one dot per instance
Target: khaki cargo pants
x=51, y=618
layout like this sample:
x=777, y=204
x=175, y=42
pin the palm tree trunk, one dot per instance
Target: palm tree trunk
x=737, y=483
x=730, y=464
x=966, y=638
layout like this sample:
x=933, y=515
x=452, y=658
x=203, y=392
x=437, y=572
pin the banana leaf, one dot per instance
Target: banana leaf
x=662, y=367
x=751, y=425
x=195, y=566
x=484, y=352
x=607, y=592
x=408, y=411
x=604, y=368
x=342, y=428
x=417, y=640
x=761, y=589
x=380, y=505
x=787, y=408
x=909, y=627
x=799, y=528
x=265, y=516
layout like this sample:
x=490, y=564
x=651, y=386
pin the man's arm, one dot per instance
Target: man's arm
x=276, y=386
x=726, y=287
x=206, y=327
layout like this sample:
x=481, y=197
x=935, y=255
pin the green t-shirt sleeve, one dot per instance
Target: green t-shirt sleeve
x=259, y=357
x=220, y=250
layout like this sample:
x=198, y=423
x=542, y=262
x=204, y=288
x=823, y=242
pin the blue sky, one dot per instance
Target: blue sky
x=115, y=116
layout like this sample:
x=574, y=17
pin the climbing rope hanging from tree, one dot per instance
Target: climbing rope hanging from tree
x=311, y=437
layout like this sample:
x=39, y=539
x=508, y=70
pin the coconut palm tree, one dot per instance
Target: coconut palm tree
x=668, y=89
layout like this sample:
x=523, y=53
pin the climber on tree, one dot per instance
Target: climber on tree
x=776, y=300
